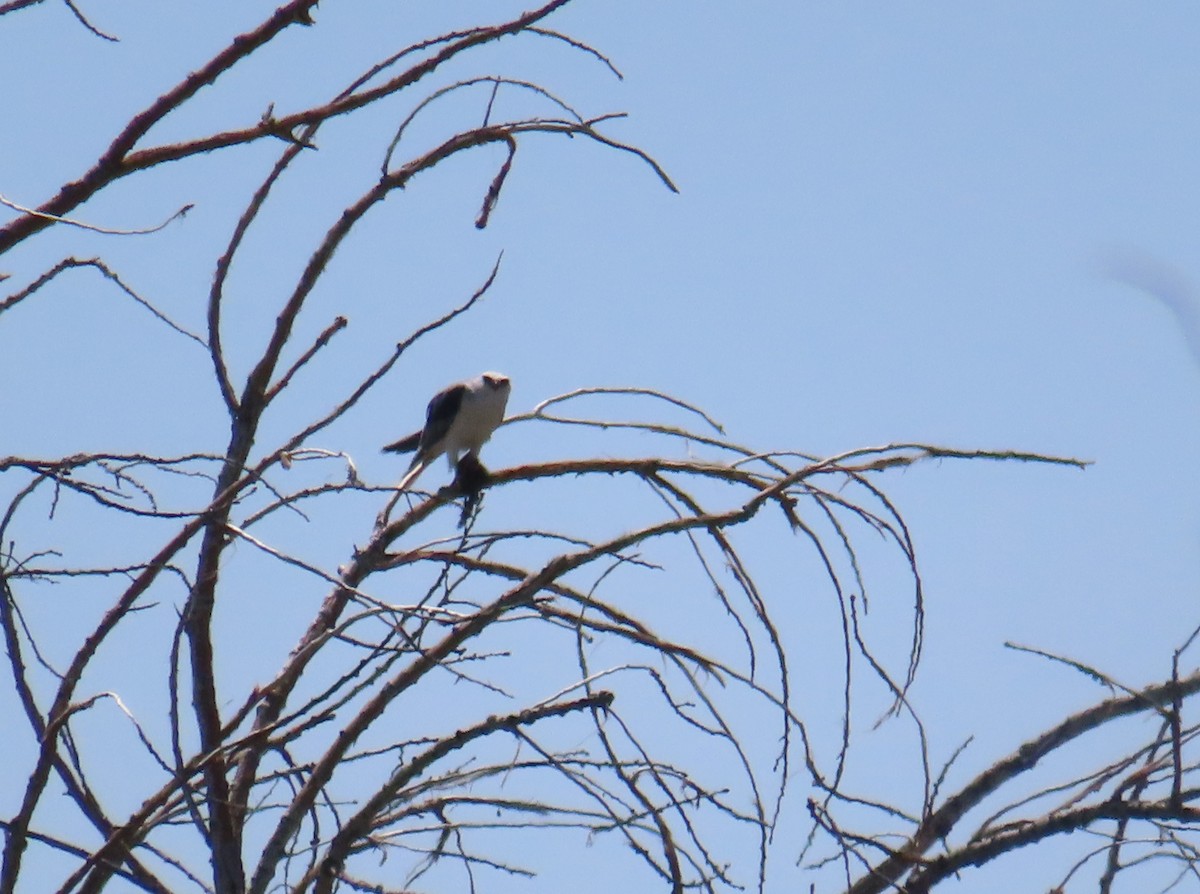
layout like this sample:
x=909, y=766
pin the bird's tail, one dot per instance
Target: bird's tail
x=404, y=445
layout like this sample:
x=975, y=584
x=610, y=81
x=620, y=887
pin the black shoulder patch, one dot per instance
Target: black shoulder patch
x=440, y=414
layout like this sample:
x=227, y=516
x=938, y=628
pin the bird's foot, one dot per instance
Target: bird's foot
x=470, y=479
x=471, y=476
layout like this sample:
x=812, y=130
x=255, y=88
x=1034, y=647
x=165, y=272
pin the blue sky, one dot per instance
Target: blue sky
x=892, y=226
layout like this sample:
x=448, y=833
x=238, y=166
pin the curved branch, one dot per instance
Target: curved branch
x=939, y=824
x=115, y=161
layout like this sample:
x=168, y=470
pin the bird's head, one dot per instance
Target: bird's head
x=496, y=381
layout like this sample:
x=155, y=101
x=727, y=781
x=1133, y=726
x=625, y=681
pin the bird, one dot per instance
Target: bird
x=458, y=421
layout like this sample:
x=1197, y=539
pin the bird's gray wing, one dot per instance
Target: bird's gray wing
x=404, y=445
x=439, y=416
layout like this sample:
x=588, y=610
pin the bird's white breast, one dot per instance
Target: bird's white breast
x=481, y=412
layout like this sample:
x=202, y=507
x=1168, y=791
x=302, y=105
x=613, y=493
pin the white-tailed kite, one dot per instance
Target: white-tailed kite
x=458, y=422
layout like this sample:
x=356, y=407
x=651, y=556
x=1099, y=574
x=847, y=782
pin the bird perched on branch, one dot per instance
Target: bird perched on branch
x=458, y=421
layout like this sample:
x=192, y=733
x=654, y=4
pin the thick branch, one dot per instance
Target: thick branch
x=120, y=160
x=114, y=163
x=942, y=821
x=357, y=828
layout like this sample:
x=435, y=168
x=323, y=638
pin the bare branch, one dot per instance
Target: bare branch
x=95, y=228
x=83, y=20
x=885, y=875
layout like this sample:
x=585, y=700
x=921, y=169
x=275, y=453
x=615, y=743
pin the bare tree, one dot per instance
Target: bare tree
x=460, y=693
